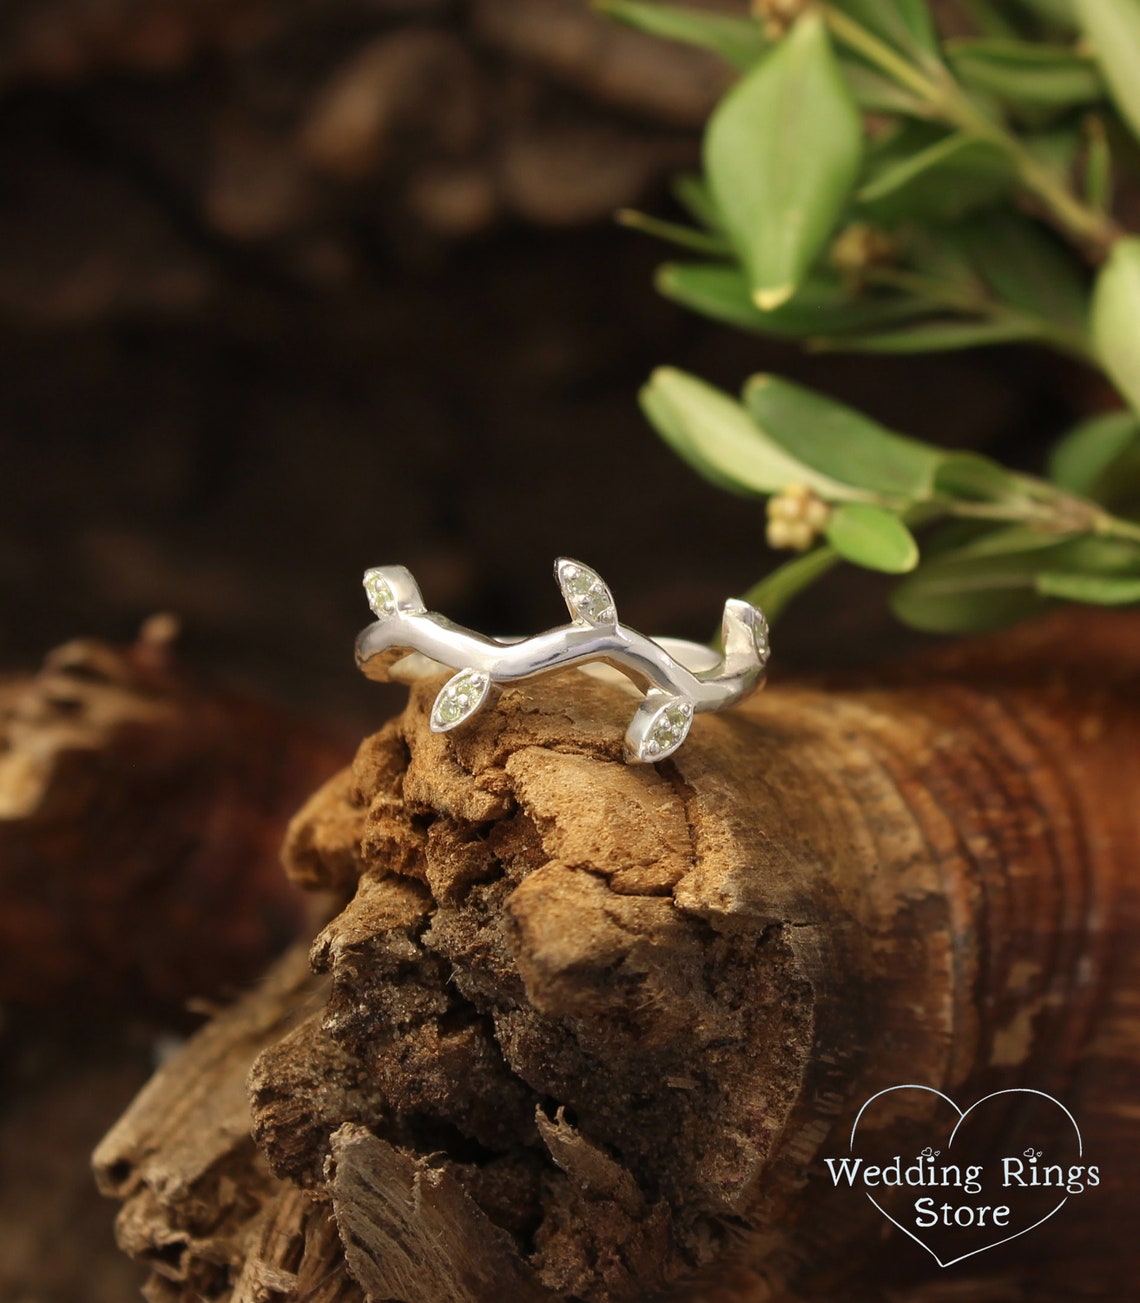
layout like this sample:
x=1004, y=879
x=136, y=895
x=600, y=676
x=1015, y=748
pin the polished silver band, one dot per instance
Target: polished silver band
x=679, y=678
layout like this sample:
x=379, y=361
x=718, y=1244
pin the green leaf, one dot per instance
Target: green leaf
x=819, y=305
x=959, y=593
x=1056, y=13
x=930, y=337
x=906, y=24
x=1113, y=28
x=948, y=595
x=773, y=593
x=943, y=182
x=990, y=581
x=895, y=142
x=782, y=151
x=1101, y=590
x=720, y=440
x=1001, y=541
x=840, y=441
x=1027, y=72
x=872, y=537
x=986, y=17
x=1116, y=317
x=687, y=237
x=875, y=93
x=739, y=41
x=742, y=43
x=1119, y=487
x=1056, y=149
x=692, y=192
x=1098, y=166
x=938, y=253
x=1087, y=452
x=722, y=293
x=1096, y=554
x=1028, y=268
x=976, y=478
x=955, y=536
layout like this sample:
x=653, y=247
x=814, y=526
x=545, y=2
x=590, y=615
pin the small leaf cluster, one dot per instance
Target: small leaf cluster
x=870, y=186
x=1006, y=544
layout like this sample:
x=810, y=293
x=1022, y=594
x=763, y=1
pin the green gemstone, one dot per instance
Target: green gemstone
x=380, y=596
x=587, y=594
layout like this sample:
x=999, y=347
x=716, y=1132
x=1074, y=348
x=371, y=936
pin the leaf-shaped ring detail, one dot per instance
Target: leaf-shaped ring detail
x=680, y=678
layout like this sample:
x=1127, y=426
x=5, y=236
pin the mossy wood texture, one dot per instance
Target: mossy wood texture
x=586, y=1031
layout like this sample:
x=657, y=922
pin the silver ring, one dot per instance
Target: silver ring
x=679, y=678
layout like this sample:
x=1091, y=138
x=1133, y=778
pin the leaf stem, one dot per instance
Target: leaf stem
x=1089, y=227
x=938, y=293
x=773, y=593
x=688, y=237
x=1069, y=512
x=1070, y=516
x=1113, y=527
x=973, y=301
x=856, y=37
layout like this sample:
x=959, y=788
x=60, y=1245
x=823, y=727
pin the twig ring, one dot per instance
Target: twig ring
x=679, y=678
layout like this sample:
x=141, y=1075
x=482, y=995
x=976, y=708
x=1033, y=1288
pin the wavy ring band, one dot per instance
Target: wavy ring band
x=679, y=678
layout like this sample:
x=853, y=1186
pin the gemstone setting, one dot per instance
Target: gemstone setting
x=586, y=592
x=407, y=643
x=759, y=625
x=458, y=699
x=379, y=592
x=666, y=730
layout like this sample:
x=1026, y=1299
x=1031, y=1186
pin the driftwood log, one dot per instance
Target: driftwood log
x=141, y=810
x=586, y=1031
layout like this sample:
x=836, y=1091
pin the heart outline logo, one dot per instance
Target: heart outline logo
x=963, y=1114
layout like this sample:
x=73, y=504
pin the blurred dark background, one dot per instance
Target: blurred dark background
x=290, y=289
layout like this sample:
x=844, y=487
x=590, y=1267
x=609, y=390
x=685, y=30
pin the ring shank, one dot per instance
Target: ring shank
x=694, y=656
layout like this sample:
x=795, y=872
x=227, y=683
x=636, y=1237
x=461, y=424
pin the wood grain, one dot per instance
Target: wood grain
x=591, y=1029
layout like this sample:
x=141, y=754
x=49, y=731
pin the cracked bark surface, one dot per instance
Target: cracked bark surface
x=586, y=1029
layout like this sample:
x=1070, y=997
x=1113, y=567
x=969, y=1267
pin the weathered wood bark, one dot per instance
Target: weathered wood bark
x=590, y=1029
x=141, y=814
x=141, y=811
x=201, y=1206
